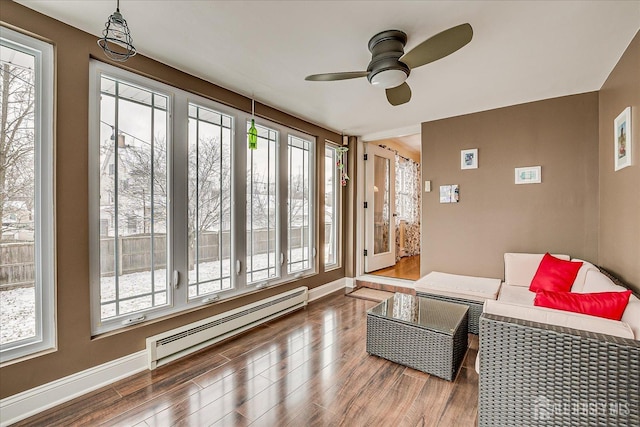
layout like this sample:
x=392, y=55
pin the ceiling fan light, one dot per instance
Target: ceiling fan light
x=388, y=78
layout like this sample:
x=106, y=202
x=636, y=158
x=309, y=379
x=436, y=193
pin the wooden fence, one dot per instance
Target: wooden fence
x=17, y=259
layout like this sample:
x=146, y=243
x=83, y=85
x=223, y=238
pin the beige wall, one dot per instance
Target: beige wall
x=401, y=148
x=495, y=215
x=77, y=350
x=619, y=241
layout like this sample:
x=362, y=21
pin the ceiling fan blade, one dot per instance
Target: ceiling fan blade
x=399, y=95
x=327, y=77
x=438, y=46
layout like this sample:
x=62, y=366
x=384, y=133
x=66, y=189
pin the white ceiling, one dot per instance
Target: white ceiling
x=521, y=51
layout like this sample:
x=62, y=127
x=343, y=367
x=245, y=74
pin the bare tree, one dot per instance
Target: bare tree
x=209, y=190
x=16, y=144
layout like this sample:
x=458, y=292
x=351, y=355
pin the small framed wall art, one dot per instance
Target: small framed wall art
x=449, y=193
x=469, y=159
x=529, y=175
x=622, y=140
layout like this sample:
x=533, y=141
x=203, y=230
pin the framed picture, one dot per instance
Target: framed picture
x=449, y=193
x=529, y=175
x=445, y=194
x=622, y=140
x=469, y=159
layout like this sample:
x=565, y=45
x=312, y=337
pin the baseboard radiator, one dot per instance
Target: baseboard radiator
x=171, y=345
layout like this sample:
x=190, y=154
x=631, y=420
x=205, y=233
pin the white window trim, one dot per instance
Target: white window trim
x=338, y=212
x=96, y=70
x=177, y=164
x=45, y=338
x=313, y=224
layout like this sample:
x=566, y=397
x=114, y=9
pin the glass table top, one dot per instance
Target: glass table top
x=439, y=316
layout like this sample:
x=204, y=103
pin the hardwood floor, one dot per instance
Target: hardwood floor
x=309, y=368
x=406, y=268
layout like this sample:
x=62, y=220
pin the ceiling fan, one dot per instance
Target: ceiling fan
x=390, y=66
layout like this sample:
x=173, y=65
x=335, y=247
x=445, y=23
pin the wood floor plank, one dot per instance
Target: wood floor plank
x=151, y=407
x=290, y=406
x=355, y=408
x=395, y=402
x=233, y=419
x=178, y=371
x=211, y=403
x=462, y=405
x=309, y=368
x=429, y=404
x=72, y=412
x=311, y=415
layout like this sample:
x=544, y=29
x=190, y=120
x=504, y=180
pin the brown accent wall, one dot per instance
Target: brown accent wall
x=77, y=350
x=619, y=238
x=494, y=214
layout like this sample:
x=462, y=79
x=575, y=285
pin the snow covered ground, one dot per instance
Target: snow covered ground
x=17, y=314
x=17, y=307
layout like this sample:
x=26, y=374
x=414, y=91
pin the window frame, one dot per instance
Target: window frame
x=337, y=207
x=44, y=242
x=178, y=198
x=199, y=102
x=96, y=70
x=312, y=176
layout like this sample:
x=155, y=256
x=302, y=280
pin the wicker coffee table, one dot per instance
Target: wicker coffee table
x=421, y=333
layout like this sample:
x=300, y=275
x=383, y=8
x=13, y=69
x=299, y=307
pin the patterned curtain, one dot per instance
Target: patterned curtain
x=408, y=193
x=408, y=199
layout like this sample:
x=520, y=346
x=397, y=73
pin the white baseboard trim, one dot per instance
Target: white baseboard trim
x=30, y=402
x=350, y=282
x=326, y=289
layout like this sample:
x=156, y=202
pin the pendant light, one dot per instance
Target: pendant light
x=116, y=38
x=252, y=135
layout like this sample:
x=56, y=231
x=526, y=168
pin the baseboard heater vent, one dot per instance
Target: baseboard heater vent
x=171, y=345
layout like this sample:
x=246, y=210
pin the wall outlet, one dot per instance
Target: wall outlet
x=427, y=186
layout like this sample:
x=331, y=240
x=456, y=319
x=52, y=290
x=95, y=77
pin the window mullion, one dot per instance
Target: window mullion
x=116, y=204
x=151, y=202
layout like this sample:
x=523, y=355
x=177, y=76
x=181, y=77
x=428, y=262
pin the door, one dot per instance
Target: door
x=380, y=231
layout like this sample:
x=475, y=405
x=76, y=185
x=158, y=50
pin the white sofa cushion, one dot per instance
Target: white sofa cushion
x=631, y=315
x=597, y=282
x=560, y=318
x=578, y=284
x=516, y=295
x=519, y=269
x=457, y=286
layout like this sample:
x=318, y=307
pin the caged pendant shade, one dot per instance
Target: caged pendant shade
x=116, y=38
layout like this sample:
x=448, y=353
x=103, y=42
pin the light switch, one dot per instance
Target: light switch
x=427, y=186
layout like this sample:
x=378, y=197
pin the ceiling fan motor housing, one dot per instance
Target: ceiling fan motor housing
x=385, y=69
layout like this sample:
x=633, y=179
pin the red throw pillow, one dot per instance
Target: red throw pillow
x=609, y=305
x=554, y=274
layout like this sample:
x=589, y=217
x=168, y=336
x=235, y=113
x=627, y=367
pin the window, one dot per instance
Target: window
x=299, y=205
x=151, y=257
x=27, y=303
x=332, y=189
x=262, y=207
x=209, y=186
x=406, y=189
x=133, y=251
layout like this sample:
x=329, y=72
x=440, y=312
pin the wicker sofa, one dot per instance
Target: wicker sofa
x=544, y=367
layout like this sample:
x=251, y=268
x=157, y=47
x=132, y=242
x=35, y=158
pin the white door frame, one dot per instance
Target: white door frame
x=386, y=258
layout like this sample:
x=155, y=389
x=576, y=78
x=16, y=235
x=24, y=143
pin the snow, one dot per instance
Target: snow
x=17, y=314
x=17, y=306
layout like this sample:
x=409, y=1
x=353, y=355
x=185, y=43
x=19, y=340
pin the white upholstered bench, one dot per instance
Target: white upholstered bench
x=467, y=290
